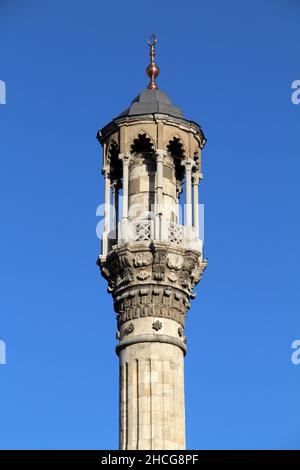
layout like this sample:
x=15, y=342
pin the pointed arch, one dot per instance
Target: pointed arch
x=177, y=151
x=175, y=146
x=197, y=156
x=142, y=143
x=113, y=159
x=112, y=148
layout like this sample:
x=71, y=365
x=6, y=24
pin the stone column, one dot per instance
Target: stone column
x=124, y=224
x=195, y=182
x=106, y=173
x=178, y=192
x=152, y=414
x=188, y=163
x=159, y=194
x=115, y=197
x=189, y=237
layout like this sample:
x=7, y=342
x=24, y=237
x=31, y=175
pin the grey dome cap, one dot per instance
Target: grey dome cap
x=151, y=101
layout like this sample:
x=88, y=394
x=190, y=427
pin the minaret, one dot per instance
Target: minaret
x=151, y=258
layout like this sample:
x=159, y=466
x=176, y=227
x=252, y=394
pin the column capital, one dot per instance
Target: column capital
x=115, y=184
x=188, y=163
x=106, y=171
x=125, y=157
x=160, y=155
x=196, y=178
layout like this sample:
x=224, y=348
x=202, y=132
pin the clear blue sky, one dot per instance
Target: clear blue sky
x=70, y=67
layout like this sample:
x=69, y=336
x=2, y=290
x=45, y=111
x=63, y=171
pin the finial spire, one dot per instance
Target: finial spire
x=152, y=69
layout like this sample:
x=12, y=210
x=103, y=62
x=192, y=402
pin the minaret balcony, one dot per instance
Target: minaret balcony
x=147, y=230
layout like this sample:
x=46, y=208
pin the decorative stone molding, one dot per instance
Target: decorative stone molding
x=151, y=302
x=197, y=274
x=159, y=264
x=152, y=280
x=151, y=339
x=189, y=133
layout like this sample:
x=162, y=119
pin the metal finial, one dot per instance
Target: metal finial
x=152, y=69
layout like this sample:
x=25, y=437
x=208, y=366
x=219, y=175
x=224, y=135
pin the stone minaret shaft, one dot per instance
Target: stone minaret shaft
x=152, y=257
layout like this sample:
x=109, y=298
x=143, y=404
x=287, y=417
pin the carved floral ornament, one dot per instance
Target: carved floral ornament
x=142, y=259
x=157, y=325
x=172, y=277
x=129, y=329
x=174, y=261
x=143, y=275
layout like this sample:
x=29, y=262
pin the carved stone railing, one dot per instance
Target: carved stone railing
x=175, y=233
x=142, y=230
